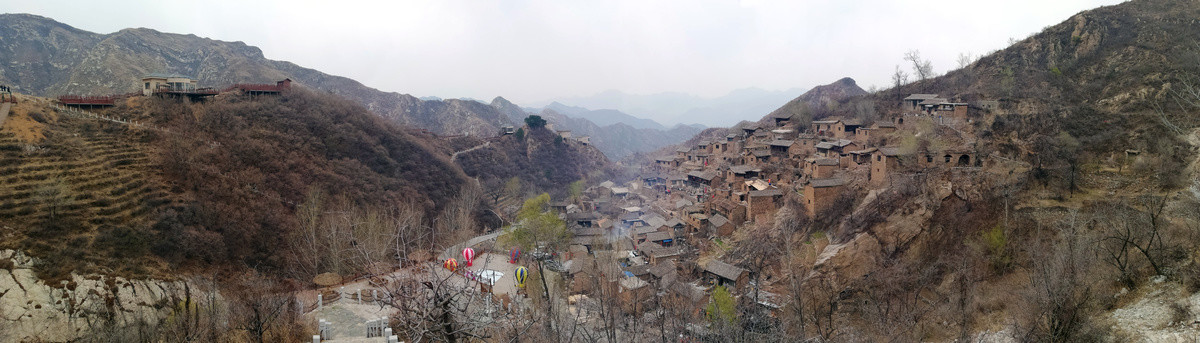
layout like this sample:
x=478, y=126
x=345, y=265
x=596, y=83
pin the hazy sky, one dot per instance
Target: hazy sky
x=531, y=51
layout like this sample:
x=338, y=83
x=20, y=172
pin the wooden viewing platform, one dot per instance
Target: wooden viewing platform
x=90, y=101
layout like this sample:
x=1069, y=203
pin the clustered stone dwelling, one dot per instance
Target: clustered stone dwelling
x=637, y=240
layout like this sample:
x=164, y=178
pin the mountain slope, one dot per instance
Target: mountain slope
x=219, y=190
x=538, y=157
x=818, y=99
x=49, y=58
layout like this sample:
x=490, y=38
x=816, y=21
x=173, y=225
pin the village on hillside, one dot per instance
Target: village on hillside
x=657, y=239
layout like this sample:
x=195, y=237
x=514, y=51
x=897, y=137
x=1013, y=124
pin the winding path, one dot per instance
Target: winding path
x=454, y=156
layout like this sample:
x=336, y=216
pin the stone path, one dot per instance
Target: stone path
x=4, y=112
x=477, y=147
x=349, y=320
x=456, y=250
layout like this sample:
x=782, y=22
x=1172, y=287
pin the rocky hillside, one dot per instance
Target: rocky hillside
x=539, y=157
x=816, y=100
x=1078, y=226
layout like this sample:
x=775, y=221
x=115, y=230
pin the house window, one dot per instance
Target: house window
x=147, y=85
x=928, y=158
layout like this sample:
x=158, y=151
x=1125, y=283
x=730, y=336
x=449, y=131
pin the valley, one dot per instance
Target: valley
x=160, y=187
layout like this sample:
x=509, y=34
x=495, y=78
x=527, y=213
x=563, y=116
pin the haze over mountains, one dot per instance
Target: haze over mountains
x=678, y=108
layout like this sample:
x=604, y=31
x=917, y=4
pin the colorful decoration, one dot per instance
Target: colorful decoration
x=468, y=255
x=451, y=264
x=522, y=273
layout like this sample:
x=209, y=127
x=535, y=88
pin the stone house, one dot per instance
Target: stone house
x=913, y=102
x=632, y=292
x=861, y=157
x=781, y=118
x=662, y=238
x=720, y=225
x=821, y=168
x=943, y=107
x=820, y=193
x=883, y=161
x=719, y=273
x=806, y=144
x=780, y=149
x=701, y=178
x=828, y=128
x=865, y=134
x=762, y=203
x=836, y=149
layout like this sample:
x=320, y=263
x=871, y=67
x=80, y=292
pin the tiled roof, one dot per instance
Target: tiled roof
x=821, y=183
x=724, y=270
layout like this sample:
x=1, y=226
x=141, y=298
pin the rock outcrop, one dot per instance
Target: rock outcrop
x=32, y=309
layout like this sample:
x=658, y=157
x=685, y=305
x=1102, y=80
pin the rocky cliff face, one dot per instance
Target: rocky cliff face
x=33, y=310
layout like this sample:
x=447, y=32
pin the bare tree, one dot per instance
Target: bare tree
x=964, y=60
x=264, y=309
x=1059, y=290
x=899, y=78
x=1129, y=230
x=438, y=306
x=922, y=68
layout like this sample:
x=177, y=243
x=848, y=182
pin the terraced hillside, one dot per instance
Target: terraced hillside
x=81, y=192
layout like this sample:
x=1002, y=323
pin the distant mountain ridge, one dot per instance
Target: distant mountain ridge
x=48, y=58
x=674, y=107
x=616, y=140
x=605, y=117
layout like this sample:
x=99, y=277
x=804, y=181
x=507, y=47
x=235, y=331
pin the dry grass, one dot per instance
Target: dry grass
x=24, y=126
